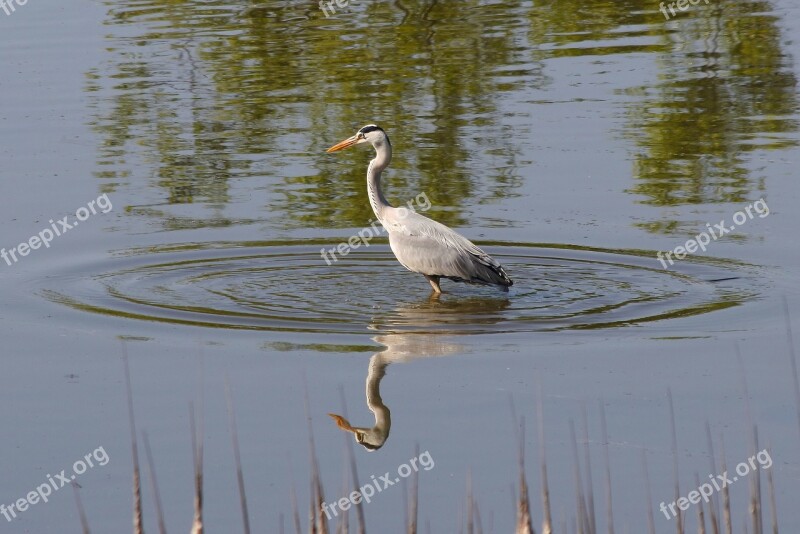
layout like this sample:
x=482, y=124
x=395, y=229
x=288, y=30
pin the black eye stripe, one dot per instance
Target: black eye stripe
x=370, y=128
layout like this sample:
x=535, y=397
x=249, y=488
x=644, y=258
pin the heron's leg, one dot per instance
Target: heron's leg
x=434, y=281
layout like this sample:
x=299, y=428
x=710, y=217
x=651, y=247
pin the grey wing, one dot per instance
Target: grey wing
x=425, y=246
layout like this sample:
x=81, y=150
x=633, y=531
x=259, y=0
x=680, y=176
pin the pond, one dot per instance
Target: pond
x=632, y=165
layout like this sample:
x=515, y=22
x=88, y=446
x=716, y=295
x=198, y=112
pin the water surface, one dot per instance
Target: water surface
x=571, y=140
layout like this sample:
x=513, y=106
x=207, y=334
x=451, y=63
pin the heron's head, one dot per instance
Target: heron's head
x=366, y=437
x=370, y=133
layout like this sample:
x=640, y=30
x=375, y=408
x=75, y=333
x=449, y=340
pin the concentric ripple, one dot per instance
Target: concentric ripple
x=277, y=286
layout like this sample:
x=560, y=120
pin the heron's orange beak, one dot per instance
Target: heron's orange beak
x=341, y=422
x=344, y=144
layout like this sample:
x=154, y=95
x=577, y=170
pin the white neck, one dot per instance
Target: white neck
x=382, y=159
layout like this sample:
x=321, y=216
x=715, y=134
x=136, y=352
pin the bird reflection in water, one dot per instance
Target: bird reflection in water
x=424, y=324
x=373, y=438
x=399, y=348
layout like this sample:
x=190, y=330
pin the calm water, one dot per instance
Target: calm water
x=572, y=140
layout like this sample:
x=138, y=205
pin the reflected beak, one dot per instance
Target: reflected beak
x=341, y=422
x=341, y=146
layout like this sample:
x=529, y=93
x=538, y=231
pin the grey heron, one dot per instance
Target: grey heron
x=420, y=244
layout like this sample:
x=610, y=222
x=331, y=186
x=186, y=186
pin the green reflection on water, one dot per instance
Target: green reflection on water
x=725, y=92
x=196, y=95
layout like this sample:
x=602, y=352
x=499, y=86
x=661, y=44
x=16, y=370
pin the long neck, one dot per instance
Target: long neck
x=382, y=159
x=377, y=370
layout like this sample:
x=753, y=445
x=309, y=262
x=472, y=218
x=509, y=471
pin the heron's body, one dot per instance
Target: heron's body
x=420, y=244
